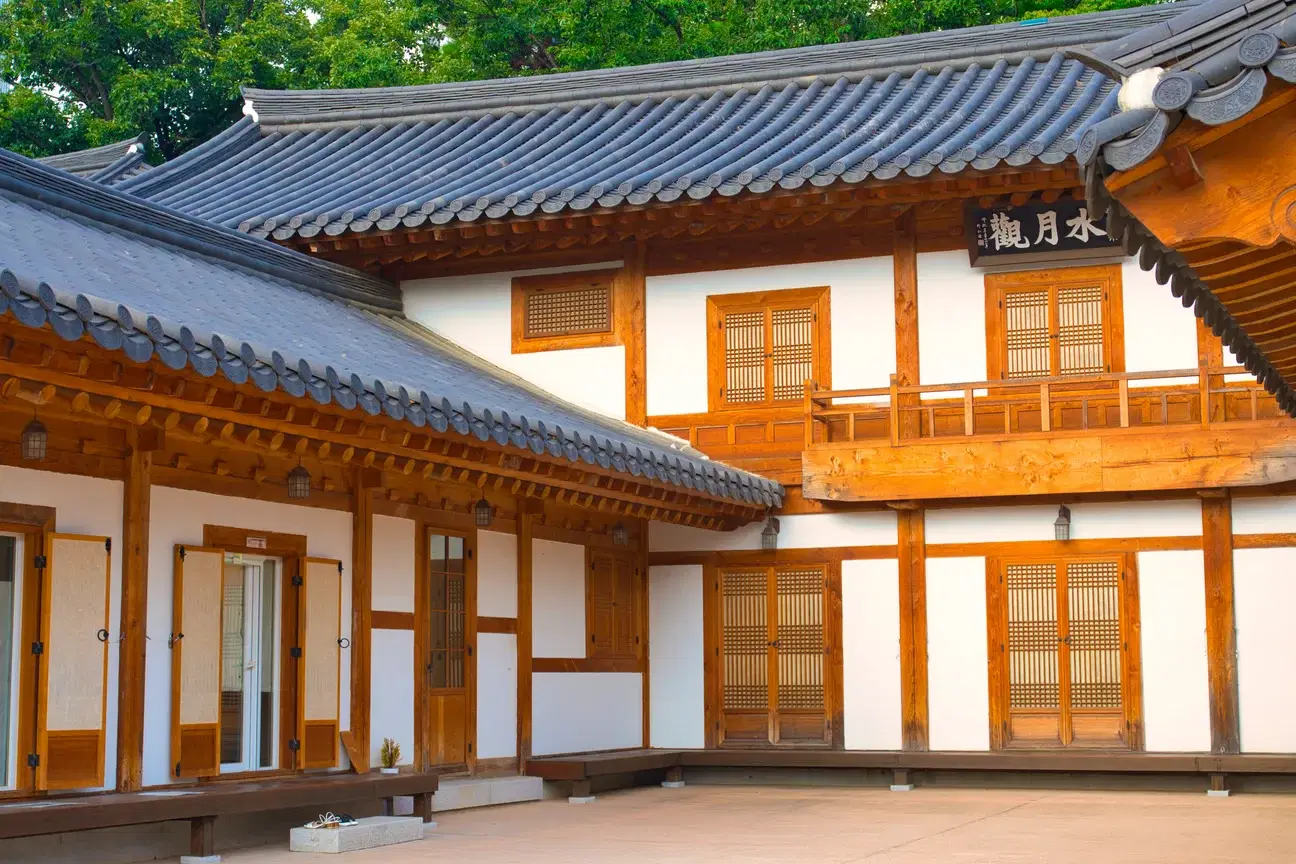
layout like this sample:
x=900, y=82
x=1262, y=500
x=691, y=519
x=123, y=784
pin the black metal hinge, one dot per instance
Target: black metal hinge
x=41, y=562
x=33, y=760
x=469, y=650
x=339, y=567
x=38, y=647
x=295, y=653
x=297, y=581
x=182, y=557
x=108, y=544
x=294, y=745
x=177, y=769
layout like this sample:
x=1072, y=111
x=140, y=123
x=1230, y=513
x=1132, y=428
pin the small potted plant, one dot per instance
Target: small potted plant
x=389, y=756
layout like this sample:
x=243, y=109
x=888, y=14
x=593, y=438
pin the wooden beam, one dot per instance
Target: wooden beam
x=905, y=265
x=362, y=510
x=913, y=629
x=525, y=523
x=1221, y=633
x=134, y=610
x=632, y=313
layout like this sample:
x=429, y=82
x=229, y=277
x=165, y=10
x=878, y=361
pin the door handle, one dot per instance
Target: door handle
x=1066, y=640
x=774, y=643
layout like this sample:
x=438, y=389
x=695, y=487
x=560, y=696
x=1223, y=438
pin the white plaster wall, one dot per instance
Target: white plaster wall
x=391, y=712
x=496, y=574
x=675, y=650
x=496, y=695
x=951, y=319
x=958, y=684
x=393, y=564
x=1177, y=518
x=178, y=516
x=87, y=505
x=1264, y=515
x=581, y=712
x=1172, y=608
x=862, y=306
x=1159, y=332
x=809, y=531
x=871, y=654
x=476, y=312
x=557, y=599
x=1264, y=586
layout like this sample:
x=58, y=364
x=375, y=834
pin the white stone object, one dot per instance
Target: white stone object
x=902, y=787
x=581, y=799
x=368, y=833
x=200, y=859
x=673, y=784
x=1217, y=793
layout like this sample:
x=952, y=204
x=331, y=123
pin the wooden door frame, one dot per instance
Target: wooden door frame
x=35, y=524
x=454, y=525
x=1131, y=641
x=713, y=667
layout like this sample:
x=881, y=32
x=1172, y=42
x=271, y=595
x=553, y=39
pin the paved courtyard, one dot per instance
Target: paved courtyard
x=830, y=825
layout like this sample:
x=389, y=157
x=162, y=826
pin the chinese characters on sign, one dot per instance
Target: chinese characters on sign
x=1035, y=232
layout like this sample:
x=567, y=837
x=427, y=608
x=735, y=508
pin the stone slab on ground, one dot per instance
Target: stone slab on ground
x=368, y=833
x=466, y=792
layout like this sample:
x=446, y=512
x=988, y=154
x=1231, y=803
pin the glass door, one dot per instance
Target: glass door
x=10, y=621
x=249, y=663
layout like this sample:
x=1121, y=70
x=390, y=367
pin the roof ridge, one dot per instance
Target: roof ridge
x=53, y=187
x=902, y=54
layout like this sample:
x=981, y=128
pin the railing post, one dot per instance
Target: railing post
x=1046, y=409
x=968, y=421
x=809, y=416
x=1204, y=396
x=1124, y=403
x=895, y=411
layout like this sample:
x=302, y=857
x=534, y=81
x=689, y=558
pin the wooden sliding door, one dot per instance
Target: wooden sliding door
x=1064, y=669
x=773, y=668
x=446, y=622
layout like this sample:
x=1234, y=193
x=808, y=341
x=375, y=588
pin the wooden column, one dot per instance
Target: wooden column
x=913, y=629
x=362, y=511
x=905, y=263
x=134, y=609
x=525, y=523
x=1210, y=354
x=632, y=313
x=1221, y=635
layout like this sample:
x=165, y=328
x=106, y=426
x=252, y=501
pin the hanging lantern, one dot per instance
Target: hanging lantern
x=619, y=534
x=483, y=513
x=1062, y=525
x=35, y=441
x=299, y=483
x=769, y=537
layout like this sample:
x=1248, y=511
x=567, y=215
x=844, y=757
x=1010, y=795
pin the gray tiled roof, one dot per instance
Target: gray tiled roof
x=333, y=162
x=145, y=281
x=109, y=164
x=1209, y=62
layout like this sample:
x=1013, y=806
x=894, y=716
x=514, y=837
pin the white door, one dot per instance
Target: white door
x=249, y=664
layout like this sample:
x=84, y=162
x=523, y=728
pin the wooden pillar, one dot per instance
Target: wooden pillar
x=362, y=511
x=134, y=609
x=525, y=522
x=1210, y=354
x=634, y=326
x=905, y=263
x=913, y=629
x=202, y=837
x=643, y=625
x=1221, y=634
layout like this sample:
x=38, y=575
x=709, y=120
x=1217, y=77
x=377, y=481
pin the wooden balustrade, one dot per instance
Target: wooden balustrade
x=1059, y=404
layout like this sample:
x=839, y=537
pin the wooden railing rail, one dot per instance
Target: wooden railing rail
x=1181, y=396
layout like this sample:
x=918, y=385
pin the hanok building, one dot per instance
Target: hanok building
x=1000, y=501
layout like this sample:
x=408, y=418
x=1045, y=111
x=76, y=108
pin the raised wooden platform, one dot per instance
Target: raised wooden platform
x=582, y=767
x=201, y=804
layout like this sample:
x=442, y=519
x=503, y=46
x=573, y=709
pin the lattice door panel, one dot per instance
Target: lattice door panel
x=792, y=338
x=799, y=646
x=744, y=358
x=1093, y=644
x=1080, y=330
x=1026, y=328
x=745, y=633
x=1033, y=647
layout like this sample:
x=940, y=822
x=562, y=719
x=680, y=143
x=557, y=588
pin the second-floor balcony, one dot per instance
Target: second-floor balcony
x=1116, y=432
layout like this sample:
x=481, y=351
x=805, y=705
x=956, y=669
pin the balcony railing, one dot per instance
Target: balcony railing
x=911, y=414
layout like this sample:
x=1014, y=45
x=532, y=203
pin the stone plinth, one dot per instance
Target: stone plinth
x=368, y=833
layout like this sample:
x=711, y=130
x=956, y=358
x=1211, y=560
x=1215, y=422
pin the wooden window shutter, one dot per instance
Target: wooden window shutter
x=744, y=358
x=196, y=651
x=558, y=311
x=1027, y=337
x=1080, y=330
x=763, y=347
x=71, y=715
x=624, y=609
x=791, y=351
x=319, y=667
x=602, y=605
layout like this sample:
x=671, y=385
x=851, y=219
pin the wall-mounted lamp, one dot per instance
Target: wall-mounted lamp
x=299, y=483
x=769, y=537
x=35, y=441
x=1062, y=525
x=483, y=513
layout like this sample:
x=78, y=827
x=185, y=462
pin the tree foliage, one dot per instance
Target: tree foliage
x=94, y=71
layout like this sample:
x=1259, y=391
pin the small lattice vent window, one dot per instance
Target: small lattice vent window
x=564, y=310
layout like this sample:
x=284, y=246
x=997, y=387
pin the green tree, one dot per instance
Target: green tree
x=33, y=124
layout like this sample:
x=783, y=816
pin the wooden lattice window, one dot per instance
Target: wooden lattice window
x=772, y=647
x=763, y=347
x=611, y=606
x=1047, y=323
x=565, y=310
x=1065, y=666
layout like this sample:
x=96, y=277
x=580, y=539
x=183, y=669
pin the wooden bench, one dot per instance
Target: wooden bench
x=581, y=768
x=202, y=804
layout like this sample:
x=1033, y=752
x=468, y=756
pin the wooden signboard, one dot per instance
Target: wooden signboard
x=1035, y=232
